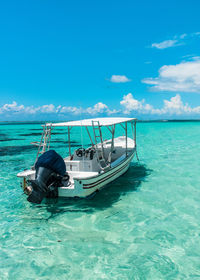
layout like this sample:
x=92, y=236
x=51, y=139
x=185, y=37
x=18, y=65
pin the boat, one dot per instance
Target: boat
x=84, y=170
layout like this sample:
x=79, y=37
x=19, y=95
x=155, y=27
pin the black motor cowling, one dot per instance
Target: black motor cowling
x=50, y=169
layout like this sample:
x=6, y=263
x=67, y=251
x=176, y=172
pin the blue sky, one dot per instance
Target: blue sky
x=69, y=59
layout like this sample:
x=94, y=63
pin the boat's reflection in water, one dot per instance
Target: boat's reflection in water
x=129, y=182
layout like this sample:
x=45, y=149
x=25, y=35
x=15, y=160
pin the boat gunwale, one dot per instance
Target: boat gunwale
x=111, y=169
x=94, y=184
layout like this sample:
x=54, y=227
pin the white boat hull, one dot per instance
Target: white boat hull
x=86, y=176
x=83, y=187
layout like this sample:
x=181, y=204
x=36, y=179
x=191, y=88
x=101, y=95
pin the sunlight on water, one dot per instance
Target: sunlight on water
x=145, y=225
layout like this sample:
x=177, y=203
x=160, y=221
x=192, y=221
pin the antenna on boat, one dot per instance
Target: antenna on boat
x=135, y=141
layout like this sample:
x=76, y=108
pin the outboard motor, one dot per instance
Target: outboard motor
x=50, y=169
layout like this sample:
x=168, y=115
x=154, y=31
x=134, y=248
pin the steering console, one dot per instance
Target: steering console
x=80, y=152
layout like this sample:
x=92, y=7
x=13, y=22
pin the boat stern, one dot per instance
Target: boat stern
x=26, y=175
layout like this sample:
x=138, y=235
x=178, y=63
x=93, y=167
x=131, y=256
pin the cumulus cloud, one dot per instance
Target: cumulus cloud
x=70, y=109
x=47, y=108
x=173, y=106
x=119, y=79
x=97, y=108
x=13, y=107
x=131, y=104
x=182, y=77
x=31, y=110
x=100, y=108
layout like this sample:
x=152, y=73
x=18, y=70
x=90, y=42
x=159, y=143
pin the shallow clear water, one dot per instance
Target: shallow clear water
x=145, y=225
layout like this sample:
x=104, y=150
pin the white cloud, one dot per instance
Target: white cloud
x=131, y=104
x=174, y=106
x=196, y=34
x=177, y=40
x=112, y=112
x=97, y=108
x=183, y=36
x=31, y=110
x=100, y=108
x=70, y=109
x=182, y=77
x=119, y=79
x=165, y=44
x=13, y=107
x=47, y=108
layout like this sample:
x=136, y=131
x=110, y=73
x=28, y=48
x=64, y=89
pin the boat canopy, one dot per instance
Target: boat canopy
x=89, y=122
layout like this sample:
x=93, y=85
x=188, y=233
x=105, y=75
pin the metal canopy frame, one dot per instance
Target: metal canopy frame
x=88, y=122
x=111, y=129
x=46, y=137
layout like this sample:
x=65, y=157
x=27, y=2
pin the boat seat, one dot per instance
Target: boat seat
x=117, y=161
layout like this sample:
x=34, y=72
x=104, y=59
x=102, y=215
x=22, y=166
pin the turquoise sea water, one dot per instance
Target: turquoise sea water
x=145, y=225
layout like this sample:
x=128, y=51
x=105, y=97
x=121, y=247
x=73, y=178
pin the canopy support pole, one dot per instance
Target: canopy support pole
x=122, y=126
x=135, y=140
x=69, y=141
x=126, y=137
x=112, y=144
x=135, y=132
x=89, y=135
x=109, y=129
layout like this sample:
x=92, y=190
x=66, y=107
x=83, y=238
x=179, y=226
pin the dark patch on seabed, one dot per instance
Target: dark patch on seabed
x=31, y=134
x=129, y=182
x=21, y=123
x=57, y=133
x=11, y=139
x=63, y=141
x=13, y=159
x=54, y=146
x=3, y=135
x=58, y=141
x=40, y=134
x=13, y=150
x=40, y=129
